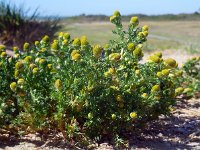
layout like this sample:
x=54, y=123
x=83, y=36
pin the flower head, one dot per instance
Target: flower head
x=19, y=65
x=26, y=46
x=154, y=58
x=55, y=45
x=35, y=70
x=134, y=21
x=13, y=86
x=117, y=13
x=131, y=46
x=21, y=81
x=171, y=63
x=155, y=88
x=2, y=48
x=84, y=41
x=133, y=115
x=77, y=42
x=3, y=54
x=58, y=84
x=97, y=51
x=114, y=57
x=46, y=39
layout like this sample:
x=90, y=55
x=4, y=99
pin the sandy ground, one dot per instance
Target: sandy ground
x=179, y=131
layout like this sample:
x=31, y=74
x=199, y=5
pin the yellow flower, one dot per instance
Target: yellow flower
x=58, y=84
x=145, y=28
x=179, y=90
x=134, y=21
x=112, y=70
x=16, y=73
x=21, y=81
x=3, y=54
x=133, y=115
x=2, y=48
x=55, y=45
x=13, y=86
x=179, y=73
x=32, y=66
x=155, y=88
x=84, y=41
x=114, y=57
x=37, y=43
x=141, y=35
x=113, y=116
x=171, y=63
x=26, y=46
x=76, y=56
x=42, y=61
x=106, y=46
x=137, y=51
x=159, y=54
x=97, y=51
x=19, y=65
x=77, y=42
x=159, y=74
x=113, y=18
x=66, y=36
x=117, y=13
x=131, y=46
x=154, y=58
x=145, y=33
x=165, y=72
x=15, y=49
x=186, y=90
x=137, y=72
x=28, y=59
x=35, y=70
x=49, y=66
x=145, y=95
x=46, y=39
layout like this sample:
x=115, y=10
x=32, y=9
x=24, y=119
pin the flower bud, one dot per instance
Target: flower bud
x=13, y=86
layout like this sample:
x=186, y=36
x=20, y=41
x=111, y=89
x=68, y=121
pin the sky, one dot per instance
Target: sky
x=107, y=7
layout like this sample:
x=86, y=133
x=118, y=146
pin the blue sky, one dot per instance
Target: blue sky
x=76, y=7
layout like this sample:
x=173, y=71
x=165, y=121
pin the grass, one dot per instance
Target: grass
x=163, y=34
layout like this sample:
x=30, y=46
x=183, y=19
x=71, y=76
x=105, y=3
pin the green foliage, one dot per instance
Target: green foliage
x=192, y=77
x=16, y=27
x=84, y=90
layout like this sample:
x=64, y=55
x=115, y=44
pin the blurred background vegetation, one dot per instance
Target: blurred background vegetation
x=167, y=32
x=16, y=27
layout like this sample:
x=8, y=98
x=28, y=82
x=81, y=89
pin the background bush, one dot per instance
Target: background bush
x=16, y=27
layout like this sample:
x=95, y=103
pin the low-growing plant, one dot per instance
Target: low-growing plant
x=86, y=90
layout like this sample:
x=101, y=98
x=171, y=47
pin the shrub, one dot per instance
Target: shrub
x=75, y=87
x=16, y=27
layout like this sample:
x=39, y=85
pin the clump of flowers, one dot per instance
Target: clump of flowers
x=76, y=87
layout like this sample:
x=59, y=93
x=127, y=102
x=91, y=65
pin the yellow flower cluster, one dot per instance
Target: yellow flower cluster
x=76, y=55
x=97, y=51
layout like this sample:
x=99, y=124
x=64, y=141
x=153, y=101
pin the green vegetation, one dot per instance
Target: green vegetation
x=87, y=91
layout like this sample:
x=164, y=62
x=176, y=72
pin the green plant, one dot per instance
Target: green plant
x=84, y=90
x=192, y=76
